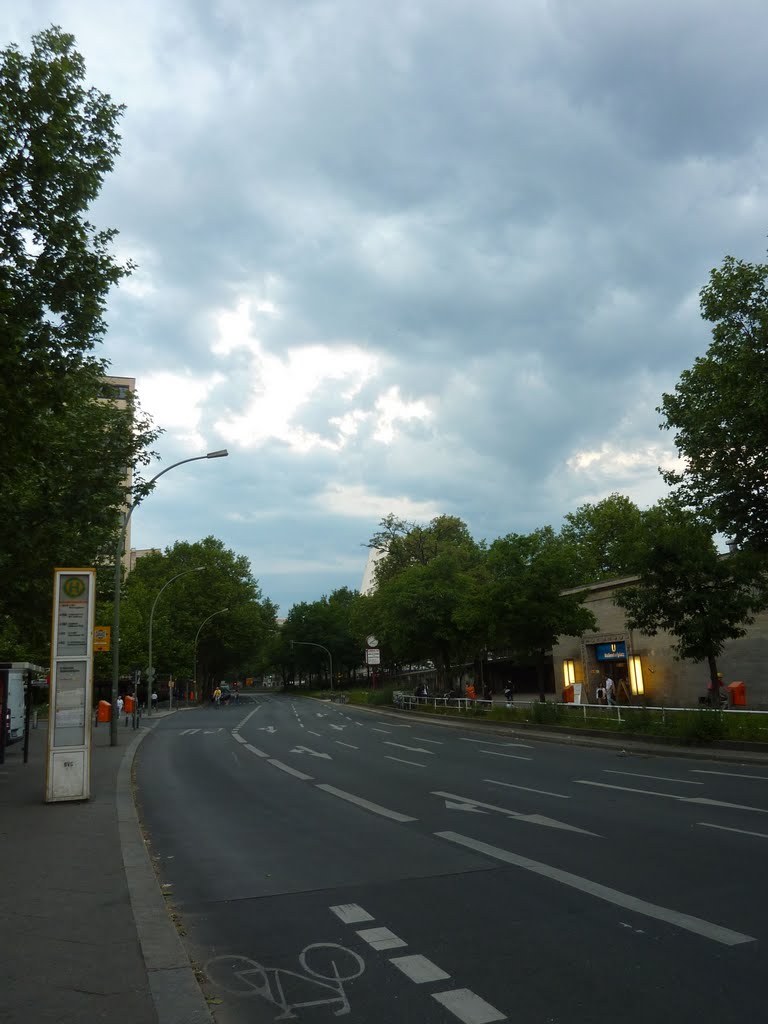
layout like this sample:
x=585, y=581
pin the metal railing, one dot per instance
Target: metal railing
x=407, y=701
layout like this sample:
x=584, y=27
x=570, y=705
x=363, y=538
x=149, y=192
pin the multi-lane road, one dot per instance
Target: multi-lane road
x=324, y=861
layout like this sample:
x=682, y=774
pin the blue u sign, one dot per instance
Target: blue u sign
x=611, y=652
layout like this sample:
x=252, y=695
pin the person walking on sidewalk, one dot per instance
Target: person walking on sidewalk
x=120, y=703
x=610, y=690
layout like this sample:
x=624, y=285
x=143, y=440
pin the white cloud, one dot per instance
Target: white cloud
x=175, y=401
x=356, y=502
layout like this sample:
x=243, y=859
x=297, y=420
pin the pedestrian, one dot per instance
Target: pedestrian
x=217, y=696
x=154, y=700
x=509, y=693
x=609, y=690
x=119, y=706
x=600, y=693
x=471, y=692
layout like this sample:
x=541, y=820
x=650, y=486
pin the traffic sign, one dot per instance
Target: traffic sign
x=373, y=656
x=372, y=641
x=101, y=637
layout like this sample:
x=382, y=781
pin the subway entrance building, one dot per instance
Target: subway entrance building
x=644, y=668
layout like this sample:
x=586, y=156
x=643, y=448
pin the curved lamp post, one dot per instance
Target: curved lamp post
x=150, y=668
x=118, y=580
x=306, y=643
x=197, y=635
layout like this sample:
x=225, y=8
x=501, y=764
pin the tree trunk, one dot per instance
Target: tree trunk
x=714, y=687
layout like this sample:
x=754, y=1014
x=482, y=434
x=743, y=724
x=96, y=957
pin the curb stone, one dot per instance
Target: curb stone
x=172, y=982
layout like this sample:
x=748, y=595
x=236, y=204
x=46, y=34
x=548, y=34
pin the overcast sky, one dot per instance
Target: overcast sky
x=421, y=256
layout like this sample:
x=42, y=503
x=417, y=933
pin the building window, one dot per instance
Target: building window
x=636, y=676
x=569, y=672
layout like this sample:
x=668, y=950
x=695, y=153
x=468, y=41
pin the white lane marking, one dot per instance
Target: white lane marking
x=532, y=819
x=602, y=892
x=414, y=750
x=313, y=733
x=339, y=728
x=267, y=728
x=437, y=743
x=367, y=804
x=381, y=938
x=343, y=744
x=731, y=775
x=402, y=761
x=469, y=1008
x=498, y=753
x=248, y=717
x=351, y=913
x=239, y=738
x=419, y=969
x=673, y=796
x=291, y=771
x=725, y=828
x=528, y=789
x=188, y=732
x=490, y=743
x=385, y=731
x=314, y=753
x=659, y=778
x=255, y=750
x=209, y=732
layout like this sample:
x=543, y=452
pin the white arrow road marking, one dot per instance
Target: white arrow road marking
x=339, y=727
x=321, y=714
x=314, y=753
x=603, y=892
x=673, y=796
x=452, y=806
x=532, y=819
x=267, y=728
x=414, y=750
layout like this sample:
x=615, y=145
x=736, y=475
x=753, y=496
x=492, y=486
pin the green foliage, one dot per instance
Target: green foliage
x=64, y=452
x=696, y=727
x=602, y=539
x=422, y=586
x=229, y=644
x=329, y=622
x=719, y=408
x=687, y=588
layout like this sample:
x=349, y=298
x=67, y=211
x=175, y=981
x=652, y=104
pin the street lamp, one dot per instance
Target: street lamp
x=194, y=661
x=307, y=643
x=118, y=579
x=150, y=669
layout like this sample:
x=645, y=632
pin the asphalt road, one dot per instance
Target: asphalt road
x=328, y=862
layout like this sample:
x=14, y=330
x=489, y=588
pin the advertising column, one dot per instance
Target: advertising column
x=68, y=769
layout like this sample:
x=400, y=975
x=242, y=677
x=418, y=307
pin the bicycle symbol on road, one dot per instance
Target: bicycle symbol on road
x=332, y=966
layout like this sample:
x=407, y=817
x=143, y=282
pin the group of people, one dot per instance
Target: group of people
x=606, y=691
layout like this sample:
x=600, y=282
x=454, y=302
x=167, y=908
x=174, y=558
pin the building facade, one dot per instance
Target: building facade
x=644, y=668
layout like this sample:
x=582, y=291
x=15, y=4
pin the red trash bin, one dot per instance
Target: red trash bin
x=129, y=705
x=568, y=695
x=737, y=694
x=104, y=711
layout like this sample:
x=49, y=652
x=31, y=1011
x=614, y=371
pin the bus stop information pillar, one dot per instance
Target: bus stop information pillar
x=68, y=764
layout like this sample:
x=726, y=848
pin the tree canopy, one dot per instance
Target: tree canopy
x=719, y=408
x=65, y=451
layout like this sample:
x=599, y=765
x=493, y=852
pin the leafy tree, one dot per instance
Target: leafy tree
x=64, y=452
x=519, y=596
x=603, y=539
x=689, y=589
x=421, y=587
x=719, y=408
x=329, y=622
x=230, y=644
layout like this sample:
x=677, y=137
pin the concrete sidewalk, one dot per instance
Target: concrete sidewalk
x=85, y=936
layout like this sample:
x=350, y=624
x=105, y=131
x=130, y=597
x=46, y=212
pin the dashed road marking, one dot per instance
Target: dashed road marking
x=351, y=913
x=725, y=828
x=403, y=746
x=499, y=753
x=351, y=746
x=658, y=778
x=381, y=938
x=731, y=775
x=674, y=796
x=528, y=789
x=419, y=969
x=313, y=733
x=255, y=750
x=291, y=771
x=437, y=743
x=385, y=731
x=367, y=804
x=403, y=761
x=469, y=1008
